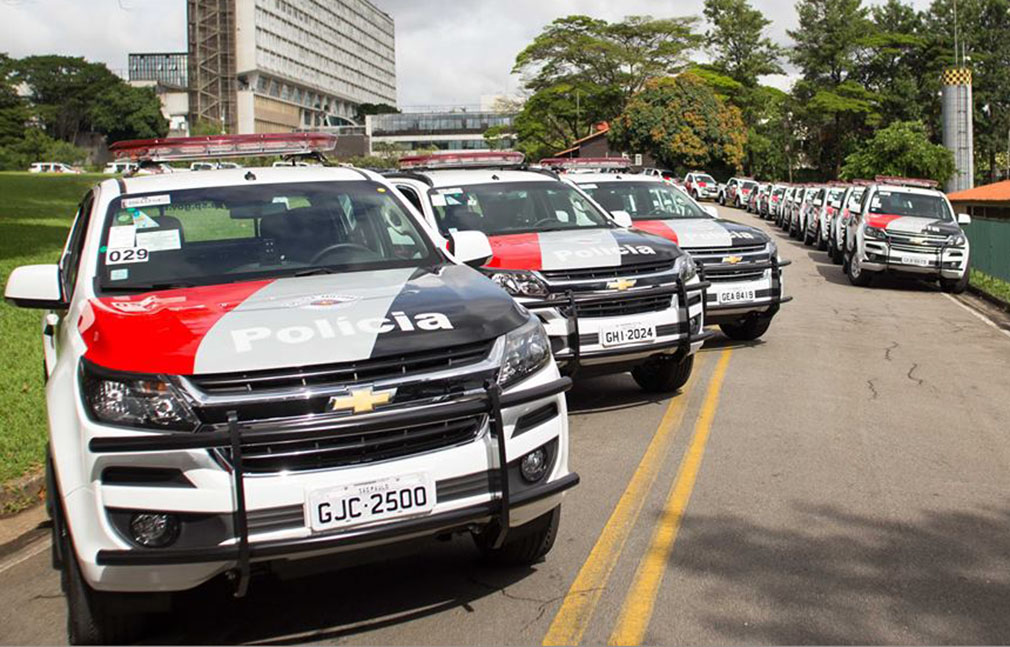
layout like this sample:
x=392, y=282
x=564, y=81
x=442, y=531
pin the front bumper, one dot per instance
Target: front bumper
x=496, y=504
x=575, y=339
x=769, y=292
x=943, y=262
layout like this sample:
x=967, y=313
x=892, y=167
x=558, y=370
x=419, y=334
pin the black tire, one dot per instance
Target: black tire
x=748, y=330
x=857, y=276
x=525, y=545
x=809, y=240
x=794, y=229
x=93, y=617
x=822, y=242
x=955, y=286
x=663, y=374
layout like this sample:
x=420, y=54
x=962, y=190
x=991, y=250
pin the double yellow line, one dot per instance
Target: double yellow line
x=580, y=602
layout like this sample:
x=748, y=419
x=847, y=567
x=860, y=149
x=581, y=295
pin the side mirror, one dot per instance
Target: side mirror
x=36, y=286
x=963, y=219
x=623, y=218
x=471, y=247
x=711, y=210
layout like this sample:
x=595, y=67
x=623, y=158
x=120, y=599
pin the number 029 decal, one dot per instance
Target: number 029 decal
x=127, y=255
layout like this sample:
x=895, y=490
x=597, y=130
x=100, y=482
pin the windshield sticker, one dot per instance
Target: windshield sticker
x=119, y=275
x=143, y=221
x=147, y=201
x=438, y=200
x=159, y=241
x=588, y=186
x=120, y=237
x=453, y=190
x=123, y=256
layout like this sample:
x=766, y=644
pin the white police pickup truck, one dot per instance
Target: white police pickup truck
x=253, y=366
x=906, y=227
x=741, y=262
x=612, y=299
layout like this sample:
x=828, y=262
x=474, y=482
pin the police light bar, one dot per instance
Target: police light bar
x=175, y=149
x=465, y=160
x=586, y=163
x=907, y=181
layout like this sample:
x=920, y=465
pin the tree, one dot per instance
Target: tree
x=682, y=123
x=125, y=112
x=13, y=112
x=901, y=149
x=602, y=64
x=736, y=41
x=62, y=90
x=37, y=146
x=553, y=118
x=365, y=109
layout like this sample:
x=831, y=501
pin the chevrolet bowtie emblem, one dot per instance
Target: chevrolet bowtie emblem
x=622, y=284
x=732, y=260
x=361, y=400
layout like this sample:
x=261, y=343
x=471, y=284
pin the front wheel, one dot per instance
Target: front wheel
x=525, y=545
x=822, y=242
x=748, y=330
x=663, y=374
x=955, y=286
x=93, y=617
x=857, y=276
x=809, y=239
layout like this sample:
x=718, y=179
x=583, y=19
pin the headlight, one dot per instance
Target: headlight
x=685, y=268
x=527, y=350
x=520, y=284
x=135, y=401
x=957, y=240
x=875, y=232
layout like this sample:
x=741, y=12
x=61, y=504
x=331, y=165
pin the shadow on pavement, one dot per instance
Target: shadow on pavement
x=609, y=393
x=843, y=578
x=329, y=605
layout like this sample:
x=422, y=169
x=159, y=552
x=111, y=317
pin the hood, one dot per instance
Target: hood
x=912, y=225
x=692, y=233
x=296, y=321
x=567, y=250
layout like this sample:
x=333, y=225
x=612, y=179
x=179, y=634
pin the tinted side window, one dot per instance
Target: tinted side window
x=411, y=197
x=71, y=260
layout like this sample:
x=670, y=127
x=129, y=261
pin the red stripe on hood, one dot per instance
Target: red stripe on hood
x=658, y=228
x=515, y=252
x=881, y=221
x=157, y=332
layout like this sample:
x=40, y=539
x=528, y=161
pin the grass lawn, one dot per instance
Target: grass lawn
x=35, y=215
x=991, y=285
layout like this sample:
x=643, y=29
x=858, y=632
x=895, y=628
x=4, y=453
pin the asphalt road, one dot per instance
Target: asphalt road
x=844, y=480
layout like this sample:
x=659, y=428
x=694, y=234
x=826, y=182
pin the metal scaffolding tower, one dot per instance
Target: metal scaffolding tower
x=212, y=84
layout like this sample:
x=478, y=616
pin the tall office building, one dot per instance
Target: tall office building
x=278, y=65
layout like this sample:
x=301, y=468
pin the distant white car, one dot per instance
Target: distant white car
x=113, y=168
x=210, y=166
x=53, y=167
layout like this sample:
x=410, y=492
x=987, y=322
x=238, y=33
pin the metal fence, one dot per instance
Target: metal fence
x=990, y=246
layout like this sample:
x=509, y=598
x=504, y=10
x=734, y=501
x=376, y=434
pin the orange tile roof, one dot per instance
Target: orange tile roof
x=998, y=192
x=602, y=128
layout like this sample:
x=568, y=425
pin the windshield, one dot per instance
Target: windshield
x=514, y=208
x=835, y=196
x=906, y=203
x=704, y=178
x=228, y=234
x=747, y=186
x=645, y=200
x=855, y=197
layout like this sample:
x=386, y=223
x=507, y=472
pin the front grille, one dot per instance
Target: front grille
x=914, y=242
x=347, y=373
x=622, y=305
x=740, y=272
x=339, y=448
x=917, y=249
x=598, y=273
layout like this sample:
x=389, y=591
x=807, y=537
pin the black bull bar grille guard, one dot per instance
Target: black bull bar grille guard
x=490, y=402
x=571, y=301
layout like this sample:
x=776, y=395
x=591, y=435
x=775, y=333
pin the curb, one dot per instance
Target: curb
x=22, y=493
x=985, y=296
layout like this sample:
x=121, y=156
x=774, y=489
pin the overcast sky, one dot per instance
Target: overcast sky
x=448, y=51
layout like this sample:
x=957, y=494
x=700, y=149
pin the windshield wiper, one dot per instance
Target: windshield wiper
x=150, y=287
x=316, y=271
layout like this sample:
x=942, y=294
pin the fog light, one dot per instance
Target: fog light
x=695, y=324
x=154, y=529
x=533, y=466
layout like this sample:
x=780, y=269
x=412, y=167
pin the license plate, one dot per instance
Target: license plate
x=353, y=505
x=631, y=333
x=735, y=296
x=915, y=260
